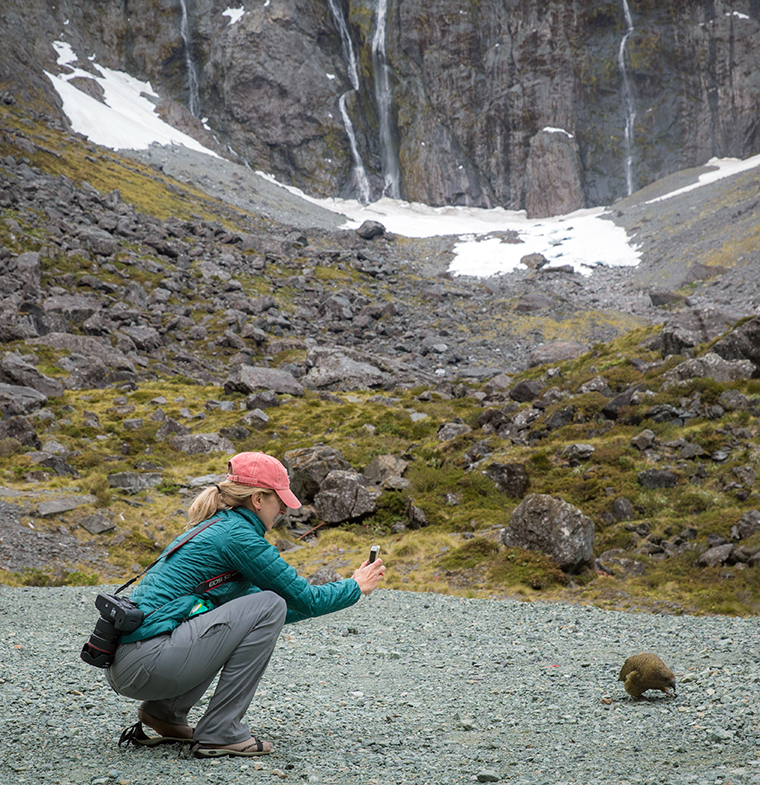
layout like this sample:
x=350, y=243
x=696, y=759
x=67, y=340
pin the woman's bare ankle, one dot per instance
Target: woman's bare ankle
x=163, y=728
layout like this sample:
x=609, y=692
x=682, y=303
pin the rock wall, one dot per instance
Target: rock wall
x=471, y=86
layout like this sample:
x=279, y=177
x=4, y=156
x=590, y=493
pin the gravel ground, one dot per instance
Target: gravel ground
x=408, y=688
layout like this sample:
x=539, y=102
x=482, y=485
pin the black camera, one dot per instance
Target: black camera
x=117, y=616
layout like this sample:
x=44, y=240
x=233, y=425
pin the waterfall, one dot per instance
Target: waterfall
x=630, y=107
x=384, y=98
x=353, y=74
x=192, y=74
x=361, y=174
x=345, y=40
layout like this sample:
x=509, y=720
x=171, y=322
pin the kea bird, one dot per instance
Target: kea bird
x=644, y=672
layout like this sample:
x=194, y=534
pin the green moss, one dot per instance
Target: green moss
x=588, y=405
x=693, y=503
x=9, y=446
x=391, y=509
x=515, y=566
x=539, y=461
x=335, y=274
x=610, y=452
x=100, y=489
x=470, y=554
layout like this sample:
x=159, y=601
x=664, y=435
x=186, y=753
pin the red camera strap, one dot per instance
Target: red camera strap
x=212, y=583
x=189, y=537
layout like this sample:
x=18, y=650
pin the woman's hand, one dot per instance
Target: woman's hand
x=369, y=575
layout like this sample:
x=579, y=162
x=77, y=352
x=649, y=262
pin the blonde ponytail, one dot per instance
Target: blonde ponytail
x=224, y=496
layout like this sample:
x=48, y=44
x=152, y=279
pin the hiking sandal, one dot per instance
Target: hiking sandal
x=135, y=734
x=252, y=749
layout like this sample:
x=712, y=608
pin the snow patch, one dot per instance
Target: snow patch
x=584, y=239
x=235, y=14
x=126, y=120
x=551, y=130
x=724, y=167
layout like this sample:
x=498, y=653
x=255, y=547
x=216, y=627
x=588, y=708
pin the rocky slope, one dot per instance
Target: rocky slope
x=149, y=324
x=449, y=106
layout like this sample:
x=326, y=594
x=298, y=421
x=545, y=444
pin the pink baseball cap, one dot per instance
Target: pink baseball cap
x=262, y=471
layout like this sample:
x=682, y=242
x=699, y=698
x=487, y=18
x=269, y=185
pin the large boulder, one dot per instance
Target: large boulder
x=15, y=399
x=21, y=275
x=52, y=461
x=553, y=175
x=88, y=346
x=748, y=524
x=385, y=467
x=597, y=384
x=170, y=427
x=20, y=429
x=86, y=373
x=202, y=443
x=98, y=241
x=336, y=370
x=344, y=496
x=710, y=366
x=510, y=478
x=15, y=326
x=63, y=504
x=134, y=482
x=75, y=308
x=715, y=556
x=450, y=430
x=248, y=379
x=97, y=523
x=146, y=339
x=692, y=327
x=556, y=352
x=15, y=370
x=308, y=467
x=657, y=479
x=552, y=526
x=493, y=420
x=370, y=229
x=743, y=343
x=526, y=390
x=576, y=453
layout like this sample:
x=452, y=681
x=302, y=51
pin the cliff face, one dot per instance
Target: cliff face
x=446, y=106
x=482, y=82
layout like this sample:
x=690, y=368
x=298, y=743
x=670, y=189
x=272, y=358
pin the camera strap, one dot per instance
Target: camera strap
x=227, y=576
x=212, y=583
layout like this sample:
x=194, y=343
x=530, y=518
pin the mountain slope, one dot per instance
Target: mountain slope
x=131, y=317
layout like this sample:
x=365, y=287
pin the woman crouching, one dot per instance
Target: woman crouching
x=216, y=605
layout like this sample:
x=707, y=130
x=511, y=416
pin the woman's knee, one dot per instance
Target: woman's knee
x=278, y=605
x=266, y=603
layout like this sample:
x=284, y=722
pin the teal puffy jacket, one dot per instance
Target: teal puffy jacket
x=234, y=542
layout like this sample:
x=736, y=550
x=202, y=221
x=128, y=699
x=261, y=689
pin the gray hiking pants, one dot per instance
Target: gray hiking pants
x=170, y=673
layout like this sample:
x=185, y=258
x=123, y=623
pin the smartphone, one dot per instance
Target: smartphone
x=373, y=551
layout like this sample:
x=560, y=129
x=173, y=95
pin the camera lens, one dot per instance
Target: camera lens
x=99, y=650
